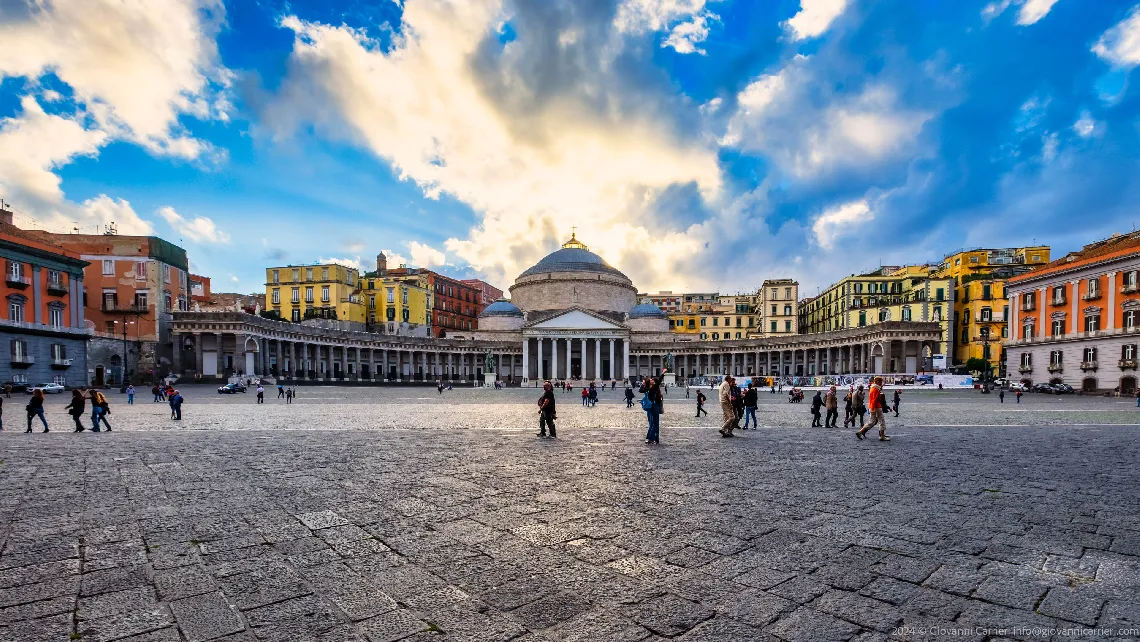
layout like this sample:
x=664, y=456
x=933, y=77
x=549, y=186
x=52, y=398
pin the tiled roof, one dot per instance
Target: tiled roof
x=1116, y=245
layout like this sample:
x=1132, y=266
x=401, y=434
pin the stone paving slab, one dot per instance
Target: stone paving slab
x=346, y=528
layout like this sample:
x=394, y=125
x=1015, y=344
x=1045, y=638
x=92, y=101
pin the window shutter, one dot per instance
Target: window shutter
x=62, y=351
x=12, y=346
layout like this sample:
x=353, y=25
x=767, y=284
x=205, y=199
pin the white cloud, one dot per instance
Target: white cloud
x=814, y=18
x=686, y=21
x=531, y=162
x=394, y=259
x=1030, y=12
x=134, y=67
x=347, y=262
x=104, y=210
x=36, y=143
x=782, y=116
x=200, y=229
x=837, y=221
x=1120, y=45
x=1034, y=10
x=1086, y=126
x=425, y=255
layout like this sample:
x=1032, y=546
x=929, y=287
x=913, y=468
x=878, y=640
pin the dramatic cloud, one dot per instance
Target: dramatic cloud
x=135, y=67
x=34, y=145
x=814, y=18
x=833, y=223
x=425, y=255
x=200, y=229
x=782, y=116
x=535, y=137
x=1120, y=45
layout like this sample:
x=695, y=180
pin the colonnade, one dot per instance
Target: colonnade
x=883, y=357
x=575, y=357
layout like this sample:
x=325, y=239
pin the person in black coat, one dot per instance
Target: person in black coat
x=816, y=404
x=76, y=409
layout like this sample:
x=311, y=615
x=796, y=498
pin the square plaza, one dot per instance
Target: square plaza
x=399, y=513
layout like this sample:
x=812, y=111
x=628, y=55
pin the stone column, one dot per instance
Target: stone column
x=539, y=364
x=613, y=367
x=221, y=356
x=1077, y=325
x=1110, y=320
x=597, y=358
x=554, y=357
x=625, y=359
x=526, y=358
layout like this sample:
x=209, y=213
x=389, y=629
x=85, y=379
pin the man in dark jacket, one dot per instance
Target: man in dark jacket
x=737, y=404
x=750, y=406
x=816, y=404
x=831, y=401
x=546, y=412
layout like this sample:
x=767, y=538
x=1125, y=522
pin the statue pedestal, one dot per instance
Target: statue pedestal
x=489, y=380
x=669, y=379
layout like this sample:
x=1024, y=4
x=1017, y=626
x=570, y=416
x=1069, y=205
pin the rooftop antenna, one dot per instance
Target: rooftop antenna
x=110, y=229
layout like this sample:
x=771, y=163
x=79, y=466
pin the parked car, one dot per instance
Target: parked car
x=1063, y=389
x=48, y=388
x=231, y=388
x=1046, y=388
x=17, y=386
x=1017, y=385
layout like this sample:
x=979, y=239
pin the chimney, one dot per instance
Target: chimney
x=381, y=264
x=5, y=216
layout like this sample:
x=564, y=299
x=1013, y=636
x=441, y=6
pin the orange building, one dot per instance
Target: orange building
x=1077, y=319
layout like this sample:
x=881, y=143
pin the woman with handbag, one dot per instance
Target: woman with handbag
x=35, y=409
x=75, y=408
x=653, y=405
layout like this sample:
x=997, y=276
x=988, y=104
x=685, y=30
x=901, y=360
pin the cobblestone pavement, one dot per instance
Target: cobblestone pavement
x=225, y=527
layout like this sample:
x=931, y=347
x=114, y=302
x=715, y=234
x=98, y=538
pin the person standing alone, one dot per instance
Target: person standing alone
x=832, y=404
x=701, y=404
x=130, y=395
x=75, y=409
x=725, y=398
x=546, y=411
x=750, y=406
x=260, y=394
x=897, y=399
x=816, y=406
x=654, y=405
x=878, y=406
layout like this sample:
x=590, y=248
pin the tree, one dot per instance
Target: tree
x=272, y=314
x=974, y=364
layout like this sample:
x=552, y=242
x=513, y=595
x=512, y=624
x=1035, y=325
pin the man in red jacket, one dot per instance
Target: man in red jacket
x=878, y=403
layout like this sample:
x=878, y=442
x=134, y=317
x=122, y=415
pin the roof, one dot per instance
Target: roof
x=647, y=311
x=572, y=259
x=501, y=308
x=1117, y=245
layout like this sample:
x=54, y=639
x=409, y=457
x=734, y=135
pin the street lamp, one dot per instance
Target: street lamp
x=985, y=333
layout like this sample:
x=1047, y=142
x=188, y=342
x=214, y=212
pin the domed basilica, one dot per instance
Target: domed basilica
x=575, y=316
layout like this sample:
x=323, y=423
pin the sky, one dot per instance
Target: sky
x=694, y=144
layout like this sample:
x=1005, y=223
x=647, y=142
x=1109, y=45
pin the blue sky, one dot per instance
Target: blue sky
x=693, y=143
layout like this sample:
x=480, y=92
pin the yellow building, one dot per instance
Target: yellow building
x=888, y=294
x=397, y=304
x=299, y=292
x=981, y=309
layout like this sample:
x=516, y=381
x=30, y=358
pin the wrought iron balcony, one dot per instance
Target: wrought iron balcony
x=1088, y=365
x=1055, y=367
x=1028, y=307
x=1127, y=364
x=22, y=360
x=17, y=281
x=1059, y=300
x=1128, y=288
x=57, y=288
x=1091, y=296
x=115, y=308
x=60, y=363
x=1025, y=369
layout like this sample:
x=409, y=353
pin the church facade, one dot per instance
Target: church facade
x=570, y=316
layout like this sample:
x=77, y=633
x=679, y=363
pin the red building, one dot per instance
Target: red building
x=488, y=293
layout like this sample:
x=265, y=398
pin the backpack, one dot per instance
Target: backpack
x=646, y=403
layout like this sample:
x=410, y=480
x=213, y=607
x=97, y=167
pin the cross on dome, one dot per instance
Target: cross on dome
x=574, y=242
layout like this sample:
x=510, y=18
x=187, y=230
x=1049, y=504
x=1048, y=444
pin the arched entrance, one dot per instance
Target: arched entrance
x=1089, y=384
x=1128, y=386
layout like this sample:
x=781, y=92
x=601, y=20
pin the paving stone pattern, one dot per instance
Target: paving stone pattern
x=348, y=528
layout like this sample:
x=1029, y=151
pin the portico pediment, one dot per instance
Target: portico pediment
x=575, y=319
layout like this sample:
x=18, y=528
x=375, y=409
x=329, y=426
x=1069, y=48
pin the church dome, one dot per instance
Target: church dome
x=647, y=311
x=501, y=308
x=573, y=257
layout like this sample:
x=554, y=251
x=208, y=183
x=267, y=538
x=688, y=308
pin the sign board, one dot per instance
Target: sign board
x=938, y=361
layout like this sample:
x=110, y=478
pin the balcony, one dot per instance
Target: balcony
x=1128, y=288
x=1127, y=364
x=1059, y=300
x=1055, y=367
x=1088, y=365
x=979, y=318
x=57, y=288
x=60, y=364
x=1091, y=296
x=22, y=360
x=1028, y=306
x=114, y=308
x=17, y=281
x=1025, y=369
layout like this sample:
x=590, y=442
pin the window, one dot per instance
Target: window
x=704, y=336
x=787, y=326
x=308, y=274
x=108, y=267
x=165, y=273
x=1058, y=327
x=1005, y=313
x=16, y=311
x=862, y=319
x=692, y=323
x=1059, y=294
x=324, y=274
x=296, y=315
x=1005, y=331
x=773, y=310
x=973, y=259
x=1055, y=357
x=372, y=302
x=787, y=310
x=858, y=288
x=404, y=296
x=54, y=279
x=391, y=296
x=309, y=294
x=788, y=293
x=276, y=276
x=1130, y=281
x=406, y=314
x=141, y=299
x=986, y=290
x=325, y=293
x=1027, y=301
x=906, y=314
x=715, y=336
x=1128, y=352
x=965, y=334
x=110, y=299
x=296, y=295
x=774, y=326
x=1131, y=319
x=965, y=294
x=58, y=352
x=1094, y=288
x=140, y=270
x=737, y=335
x=1026, y=360
x=987, y=314
x=276, y=296
x=884, y=315
x=19, y=349
x=738, y=322
x=1092, y=323
x=55, y=317
x=1027, y=331
x=939, y=294
x=166, y=301
x=296, y=275
x=1090, y=355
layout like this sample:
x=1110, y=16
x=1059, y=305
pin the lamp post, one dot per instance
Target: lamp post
x=985, y=333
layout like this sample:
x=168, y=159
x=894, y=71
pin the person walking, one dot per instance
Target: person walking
x=654, y=405
x=76, y=408
x=1018, y=396
x=280, y=391
x=832, y=404
x=260, y=394
x=546, y=411
x=176, y=405
x=35, y=409
x=878, y=406
x=585, y=397
x=99, y=411
x=1001, y=395
x=860, y=407
x=628, y=397
x=130, y=395
x=157, y=392
x=750, y=406
x=289, y=396
x=737, y=404
x=895, y=401
x=816, y=404
x=729, y=415
x=701, y=404
x=8, y=390
x=849, y=407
